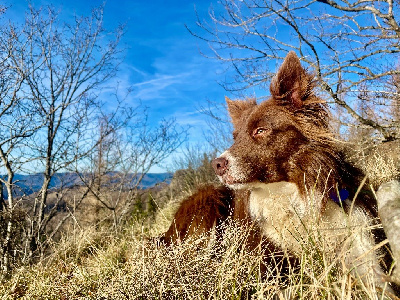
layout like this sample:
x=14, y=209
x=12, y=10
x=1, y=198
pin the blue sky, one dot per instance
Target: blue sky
x=163, y=62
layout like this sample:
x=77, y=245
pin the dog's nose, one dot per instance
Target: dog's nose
x=220, y=165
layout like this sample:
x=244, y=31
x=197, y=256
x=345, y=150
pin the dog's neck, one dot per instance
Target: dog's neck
x=274, y=188
x=277, y=198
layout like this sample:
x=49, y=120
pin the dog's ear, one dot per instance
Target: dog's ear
x=291, y=85
x=237, y=108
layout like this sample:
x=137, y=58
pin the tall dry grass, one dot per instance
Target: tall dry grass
x=100, y=265
x=381, y=162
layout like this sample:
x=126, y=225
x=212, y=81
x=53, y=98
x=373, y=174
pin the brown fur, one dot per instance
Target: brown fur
x=284, y=139
x=204, y=210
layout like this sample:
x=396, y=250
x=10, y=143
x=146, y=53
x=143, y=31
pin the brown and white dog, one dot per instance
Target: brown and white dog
x=290, y=175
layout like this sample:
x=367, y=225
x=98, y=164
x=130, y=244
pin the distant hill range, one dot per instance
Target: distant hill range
x=28, y=184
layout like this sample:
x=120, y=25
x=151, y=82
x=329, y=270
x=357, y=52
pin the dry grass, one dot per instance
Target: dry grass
x=129, y=265
x=380, y=162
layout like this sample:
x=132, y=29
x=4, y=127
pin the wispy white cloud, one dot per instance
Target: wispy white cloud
x=192, y=118
x=137, y=70
x=160, y=86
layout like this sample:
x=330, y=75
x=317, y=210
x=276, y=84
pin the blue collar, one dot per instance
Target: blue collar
x=342, y=196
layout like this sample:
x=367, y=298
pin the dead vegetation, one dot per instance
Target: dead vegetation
x=381, y=162
x=98, y=265
x=100, y=262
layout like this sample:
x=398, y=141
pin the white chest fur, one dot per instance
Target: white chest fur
x=287, y=219
x=280, y=210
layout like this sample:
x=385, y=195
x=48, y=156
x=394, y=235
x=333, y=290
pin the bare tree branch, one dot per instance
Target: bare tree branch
x=348, y=44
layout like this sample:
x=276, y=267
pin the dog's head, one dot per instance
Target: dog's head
x=271, y=138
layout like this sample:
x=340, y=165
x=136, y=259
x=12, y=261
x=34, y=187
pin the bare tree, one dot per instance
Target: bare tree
x=64, y=66
x=122, y=160
x=51, y=76
x=359, y=133
x=394, y=84
x=349, y=44
x=17, y=124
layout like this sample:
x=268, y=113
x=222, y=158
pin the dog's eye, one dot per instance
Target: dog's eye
x=259, y=131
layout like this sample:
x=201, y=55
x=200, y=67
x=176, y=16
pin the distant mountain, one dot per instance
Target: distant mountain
x=28, y=184
x=151, y=179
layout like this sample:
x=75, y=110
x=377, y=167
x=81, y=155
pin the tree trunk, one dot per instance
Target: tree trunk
x=388, y=197
x=7, y=240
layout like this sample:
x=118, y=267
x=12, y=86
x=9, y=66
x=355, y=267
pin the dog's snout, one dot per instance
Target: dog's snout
x=220, y=165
